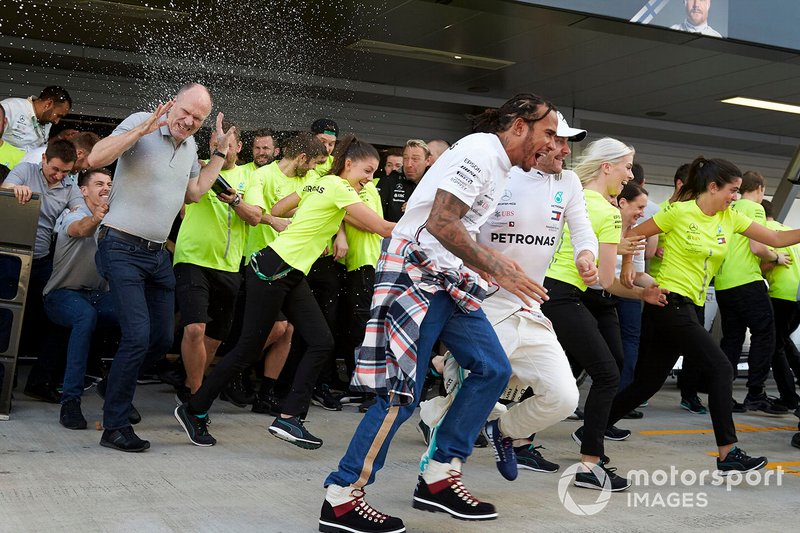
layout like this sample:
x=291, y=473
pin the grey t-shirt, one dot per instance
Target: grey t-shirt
x=73, y=261
x=54, y=201
x=150, y=182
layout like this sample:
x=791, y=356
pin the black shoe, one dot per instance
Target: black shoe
x=529, y=458
x=451, y=496
x=71, y=416
x=426, y=431
x=238, y=392
x=481, y=442
x=693, y=405
x=123, y=439
x=601, y=478
x=182, y=394
x=148, y=378
x=738, y=407
x=134, y=417
x=353, y=398
x=796, y=440
x=577, y=415
x=504, y=456
x=196, y=427
x=323, y=397
x=44, y=392
x=292, y=430
x=357, y=516
x=88, y=382
x=577, y=436
x=267, y=404
x=615, y=433
x=791, y=404
x=738, y=461
x=364, y=407
x=764, y=404
x=634, y=415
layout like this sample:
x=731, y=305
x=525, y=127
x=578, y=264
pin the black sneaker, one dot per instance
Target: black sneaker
x=357, y=516
x=292, y=430
x=764, y=404
x=267, y=404
x=364, y=407
x=134, y=417
x=738, y=461
x=353, y=398
x=481, y=442
x=426, y=431
x=615, y=433
x=238, y=392
x=577, y=436
x=43, y=392
x=601, y=478
x=529, y=458
x=633, y=415
x=451, y=496
x=693, y=405
x=738, y=407
x=504, y=456
x=577, y=415
x=796, y=440
x=196, y=427
x=123, y=439
x=323, y=397
x=71, y=416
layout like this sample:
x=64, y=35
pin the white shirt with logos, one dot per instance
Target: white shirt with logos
x=529, y=219
x=474, y=170
x=23, y=129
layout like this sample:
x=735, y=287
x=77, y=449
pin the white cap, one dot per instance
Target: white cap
x=573, y=134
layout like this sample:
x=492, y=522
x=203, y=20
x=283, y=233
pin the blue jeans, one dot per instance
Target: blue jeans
x=81, y=311
x=143, y=291
x=630, y=326
x=473, y=342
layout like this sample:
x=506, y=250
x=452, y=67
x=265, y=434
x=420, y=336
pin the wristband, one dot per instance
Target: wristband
x=236, y=201
x=220, y=154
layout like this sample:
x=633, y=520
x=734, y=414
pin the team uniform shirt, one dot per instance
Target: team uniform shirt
x=73, y=260
x=607, y=226
x=54, y=201
x=364, y=246
x=529, y=221
x=150, y=181
x=35, y=156
x=784, y=280
x=212, y=235
x=655, y=261
x=741, y=266
x=23, y=129
x=695, y=245
x=395, y=190
x=275, y=187
x=318, y=216
x=324, y=168
x=10, y=155
x=474, y=170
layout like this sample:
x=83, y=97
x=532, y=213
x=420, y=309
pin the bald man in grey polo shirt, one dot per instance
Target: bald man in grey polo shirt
x=157, y=171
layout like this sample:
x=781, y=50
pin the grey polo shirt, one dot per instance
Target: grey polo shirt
x=150, y=182
x=73, y=260
x=54, y=201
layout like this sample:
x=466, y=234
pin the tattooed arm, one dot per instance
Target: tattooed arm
x=444, y=223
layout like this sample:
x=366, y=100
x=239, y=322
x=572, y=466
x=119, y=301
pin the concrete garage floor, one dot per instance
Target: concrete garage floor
x=55, y=479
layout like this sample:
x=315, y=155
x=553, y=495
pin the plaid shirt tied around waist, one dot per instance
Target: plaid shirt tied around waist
x=405, y=279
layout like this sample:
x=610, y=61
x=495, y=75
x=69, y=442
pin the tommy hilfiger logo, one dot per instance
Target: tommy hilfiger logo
x=556, y=215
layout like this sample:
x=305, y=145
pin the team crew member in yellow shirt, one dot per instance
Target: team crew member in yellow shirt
x=277, y=280
x=10, y=155
x=585, y=318
x=207, y=255
x=784, y=281
x=743, y=300
x=698, y=229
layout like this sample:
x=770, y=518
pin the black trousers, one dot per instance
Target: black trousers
x=265, y=299
x=581, y=335
x=786, y=359
x=326, y=279
x=359, y=286
x=668, y=332
x=691, y=378
x=743, y=307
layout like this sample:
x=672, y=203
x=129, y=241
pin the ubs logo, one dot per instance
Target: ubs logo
x=558, y=197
